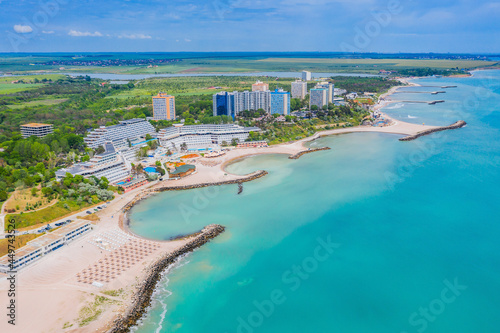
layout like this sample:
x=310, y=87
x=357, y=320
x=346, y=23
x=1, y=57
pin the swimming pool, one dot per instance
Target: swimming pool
x=150, y=169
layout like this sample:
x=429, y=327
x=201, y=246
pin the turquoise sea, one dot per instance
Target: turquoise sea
x=372, y=236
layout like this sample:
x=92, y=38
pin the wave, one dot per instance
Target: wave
x=411, y=117
x=160, y=293
x=395, y=106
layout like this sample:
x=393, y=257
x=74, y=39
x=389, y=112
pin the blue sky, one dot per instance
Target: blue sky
x=250, y=25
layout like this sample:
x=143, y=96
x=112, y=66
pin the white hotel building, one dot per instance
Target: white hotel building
x=252, y=100
x=203, y=136
x=110, y=164
x=43, y=245
x=118, y=134
x=299, y=89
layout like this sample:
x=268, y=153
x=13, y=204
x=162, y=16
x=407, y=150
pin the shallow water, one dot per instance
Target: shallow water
x=412, y=226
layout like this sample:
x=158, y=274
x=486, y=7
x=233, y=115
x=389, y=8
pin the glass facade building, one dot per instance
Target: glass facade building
x=280, y=102
x=223, y=104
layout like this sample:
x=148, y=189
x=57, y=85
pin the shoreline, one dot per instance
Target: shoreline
x=59, y=269
x=142, y=299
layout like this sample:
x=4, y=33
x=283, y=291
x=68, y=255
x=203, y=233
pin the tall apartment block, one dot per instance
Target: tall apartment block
x=306, y=76
x=163, y=107
x=232, y=103
x=299, y=89
x=252, y=100
x=280, y=102
x=318, y=97
x=331, y=90
x=223, y=104
x=36, y=129
x=260, y=86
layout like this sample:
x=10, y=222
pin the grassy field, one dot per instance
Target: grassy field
x=337, y=65
x=407, y=63
x=7, y=87
x=195, y=85
x=21, y=198
x=10, y=88
x=31, y=78
x=20, y=241
x=137, y=92
x=364, y=63
x=45, y=215
x=49, y=102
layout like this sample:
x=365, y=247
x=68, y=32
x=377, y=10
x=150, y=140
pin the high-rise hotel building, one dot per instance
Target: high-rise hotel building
x=280, y=102
x=306, y=76
x=163, y=107
x=223, y=104
x=232, y=103
x=299, y=89
x=330, y=87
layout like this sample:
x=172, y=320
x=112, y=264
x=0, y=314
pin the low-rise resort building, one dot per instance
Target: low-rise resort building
x=119, y=134
x=182, y=171
x=203, y=136
x=252, y=144
x=130, y=183
x=43, y=245
x=110, y=164
x=36, y=129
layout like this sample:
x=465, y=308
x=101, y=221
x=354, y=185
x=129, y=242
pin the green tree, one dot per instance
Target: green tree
x=99, y=150
x=40, y=168
x=46, y=191
x=160, y=170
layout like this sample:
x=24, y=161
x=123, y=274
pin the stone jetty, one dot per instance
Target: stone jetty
x=311, y=150
x=251, y=177
x=142, y=298
x=456, y=125
x=147, y=193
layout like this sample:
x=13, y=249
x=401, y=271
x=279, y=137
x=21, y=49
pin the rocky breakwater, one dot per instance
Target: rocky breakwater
x=142, y=298
x=455, y=125
x=310, y=150
x=251, y=177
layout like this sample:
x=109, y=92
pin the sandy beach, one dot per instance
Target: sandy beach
x=50, y=292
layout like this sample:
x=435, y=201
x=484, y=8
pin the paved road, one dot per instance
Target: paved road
x=52, y=224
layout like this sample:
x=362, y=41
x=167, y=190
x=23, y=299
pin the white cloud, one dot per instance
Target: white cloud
x=22, y=29
x=47, y=32
x=135, y=36
x=187, y=40
x=75, y=33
